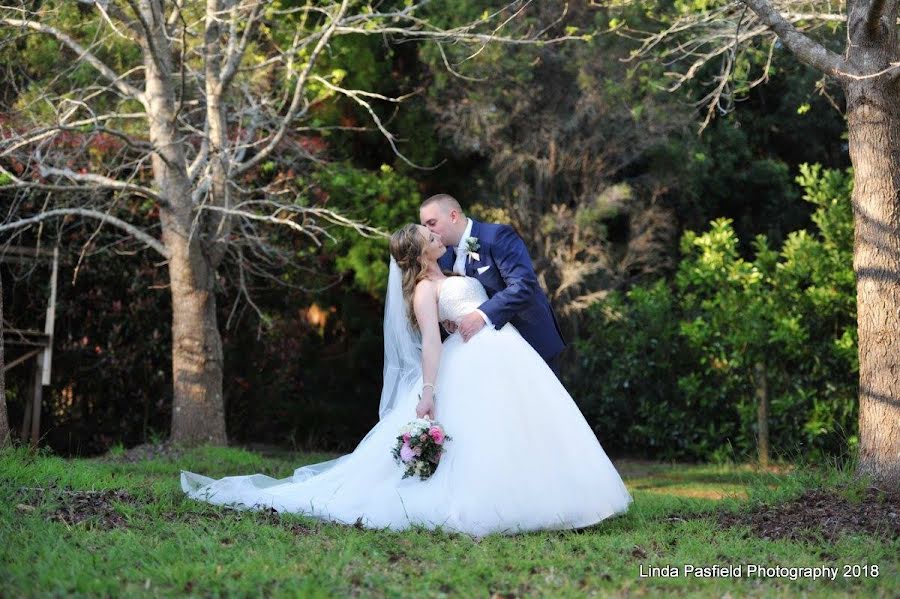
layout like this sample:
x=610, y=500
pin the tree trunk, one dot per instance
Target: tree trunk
x=761, y=383
x=198, y=411
x=873, y=108
x=4, y=420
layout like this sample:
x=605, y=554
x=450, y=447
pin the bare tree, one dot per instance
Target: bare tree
x=220, y=90
x=868, y=72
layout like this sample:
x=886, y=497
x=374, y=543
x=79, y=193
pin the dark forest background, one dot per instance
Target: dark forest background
x=682, y=265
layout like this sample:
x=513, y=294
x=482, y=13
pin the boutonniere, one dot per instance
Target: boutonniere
x=472, y=247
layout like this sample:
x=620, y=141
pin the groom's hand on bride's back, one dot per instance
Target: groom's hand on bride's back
x=470, y=325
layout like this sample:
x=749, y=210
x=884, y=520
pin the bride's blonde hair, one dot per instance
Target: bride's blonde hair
x=408, y=249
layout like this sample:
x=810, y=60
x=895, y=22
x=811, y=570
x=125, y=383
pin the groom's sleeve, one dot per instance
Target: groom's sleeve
x=512, y=260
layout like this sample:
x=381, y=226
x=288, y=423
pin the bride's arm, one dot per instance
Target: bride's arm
x=425, y=307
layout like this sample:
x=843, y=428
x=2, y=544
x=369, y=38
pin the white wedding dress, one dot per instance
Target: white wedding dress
x=522, y=457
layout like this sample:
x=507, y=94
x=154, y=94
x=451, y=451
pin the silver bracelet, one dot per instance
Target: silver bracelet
x=433, y=388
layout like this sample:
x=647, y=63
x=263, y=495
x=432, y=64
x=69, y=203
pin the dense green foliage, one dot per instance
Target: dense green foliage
x=383, y=198
x=669, y=369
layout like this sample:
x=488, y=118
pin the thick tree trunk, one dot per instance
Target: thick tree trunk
x=873, y=108
x=198, y=411
x=872, y=87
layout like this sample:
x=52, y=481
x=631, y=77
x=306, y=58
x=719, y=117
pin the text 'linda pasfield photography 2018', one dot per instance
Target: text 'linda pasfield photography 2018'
x=760, y=571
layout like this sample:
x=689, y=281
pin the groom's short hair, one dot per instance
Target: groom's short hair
x=447, y=200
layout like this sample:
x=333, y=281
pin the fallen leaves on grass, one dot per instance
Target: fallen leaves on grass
x=145, y=452
x=72, y=507
x=824, y=513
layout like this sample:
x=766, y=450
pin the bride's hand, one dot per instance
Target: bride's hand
x=425, y=407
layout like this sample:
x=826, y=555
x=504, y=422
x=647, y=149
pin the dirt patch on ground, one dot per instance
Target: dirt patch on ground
x=141, y=453
x=826, y=514
x=72, y=507
x=265, y=515
x=273, y=517
x=99, y=509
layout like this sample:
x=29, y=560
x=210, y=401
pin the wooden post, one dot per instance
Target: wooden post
x=26, y=415
x=50, y=320
x=38, y=345
x=36, y=400
x=762, y=413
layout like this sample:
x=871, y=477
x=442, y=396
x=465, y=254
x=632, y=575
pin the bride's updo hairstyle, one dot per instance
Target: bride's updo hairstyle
x=407, y=248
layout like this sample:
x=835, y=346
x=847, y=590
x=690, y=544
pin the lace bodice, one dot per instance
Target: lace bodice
x=460, y=296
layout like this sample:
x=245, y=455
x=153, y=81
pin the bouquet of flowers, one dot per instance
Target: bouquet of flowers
x=419, y=447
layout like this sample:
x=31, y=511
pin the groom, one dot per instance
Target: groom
x=495, y=255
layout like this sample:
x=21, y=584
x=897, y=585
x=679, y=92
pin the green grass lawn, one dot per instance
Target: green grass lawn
x=152, y=541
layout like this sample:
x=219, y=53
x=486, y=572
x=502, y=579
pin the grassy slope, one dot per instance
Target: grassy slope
x=173, y=546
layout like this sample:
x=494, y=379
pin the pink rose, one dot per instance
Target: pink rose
x=406, y=437
x=423, y=437
x=406, y=453
x=437, y=434
x=418, y=450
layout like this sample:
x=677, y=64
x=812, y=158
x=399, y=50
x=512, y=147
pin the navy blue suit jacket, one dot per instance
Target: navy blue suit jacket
x=514, y=294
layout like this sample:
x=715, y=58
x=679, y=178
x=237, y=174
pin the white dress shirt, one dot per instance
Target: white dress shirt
x=459, y=266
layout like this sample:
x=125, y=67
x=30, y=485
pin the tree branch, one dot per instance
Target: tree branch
x=100, y=180
x=235, y=52
x=146, y=31
x=44, y=133
x=107, y=10
x=282, y=213
x=112, y=220
x=806, y=50
x=356, y=95
x=298, y=95
x=873, y=18
x=123, y=86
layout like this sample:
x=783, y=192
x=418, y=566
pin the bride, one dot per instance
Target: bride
x=521, y=457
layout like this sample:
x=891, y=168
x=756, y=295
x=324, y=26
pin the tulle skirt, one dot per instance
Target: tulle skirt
x=522, y=457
